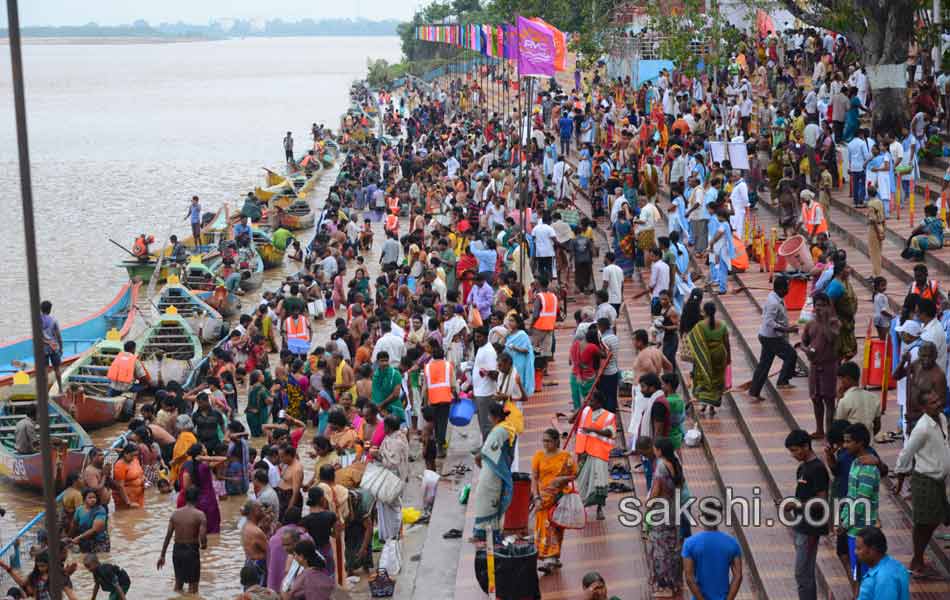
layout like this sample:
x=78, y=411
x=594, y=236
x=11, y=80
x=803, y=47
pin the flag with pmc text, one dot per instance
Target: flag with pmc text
x=536, y=49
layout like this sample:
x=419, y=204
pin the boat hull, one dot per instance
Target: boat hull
x=78, y=337
x=297, y=222
x=93, y=412
x=71, y=442
x=271, y=256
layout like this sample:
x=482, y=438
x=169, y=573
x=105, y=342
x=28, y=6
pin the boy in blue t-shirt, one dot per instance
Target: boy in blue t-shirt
x=712, y=560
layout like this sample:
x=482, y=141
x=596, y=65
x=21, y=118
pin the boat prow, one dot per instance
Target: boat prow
x=78, y=337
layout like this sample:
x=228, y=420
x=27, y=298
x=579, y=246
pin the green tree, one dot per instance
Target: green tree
x=881, y=32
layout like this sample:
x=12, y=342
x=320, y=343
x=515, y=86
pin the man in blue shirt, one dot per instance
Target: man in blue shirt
x=242, y=232
x=566, y=126
x=194, y=214
x=487, y=256
x=859, y=153
x=710, y=556
x=886, y=579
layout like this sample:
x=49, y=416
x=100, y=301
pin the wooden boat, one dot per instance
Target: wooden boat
x=70, y=441
x=170, y=350
x=327, y=159
x=297, y=216
x=212, y=232
x=201, y=317
x=248, y=259
x=77, y=337
x=85, y=393
x=271, y=256
x=200, y=276
x=225, y=302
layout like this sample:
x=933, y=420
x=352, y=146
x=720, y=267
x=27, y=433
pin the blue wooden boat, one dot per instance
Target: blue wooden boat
x=77, y=337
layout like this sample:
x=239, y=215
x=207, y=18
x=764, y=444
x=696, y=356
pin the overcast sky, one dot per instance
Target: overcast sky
x=114, y=12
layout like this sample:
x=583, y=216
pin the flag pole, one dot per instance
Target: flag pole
x=33, y=283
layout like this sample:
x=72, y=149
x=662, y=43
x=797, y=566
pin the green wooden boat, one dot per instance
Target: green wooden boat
x=170, y=349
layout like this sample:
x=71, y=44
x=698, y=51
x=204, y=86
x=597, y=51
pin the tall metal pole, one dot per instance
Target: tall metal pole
x=33, y=282
x=525, y=131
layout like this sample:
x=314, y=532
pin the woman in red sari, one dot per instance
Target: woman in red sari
x=465, y=270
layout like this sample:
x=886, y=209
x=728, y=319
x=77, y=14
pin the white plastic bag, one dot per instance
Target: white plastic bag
x=390, y=558
x=317, y=308
x=693, y=437
x=430, y=482
x=569, y=511
x=382, y=483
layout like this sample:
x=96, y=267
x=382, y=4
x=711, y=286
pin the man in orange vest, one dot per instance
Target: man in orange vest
x=140, y=247
x=297, y=333
x=127, y=373
x=392, y=223
x=439, y=388
x=595, y=433
x=543, y=319
x=813, y=216
x=926, y=289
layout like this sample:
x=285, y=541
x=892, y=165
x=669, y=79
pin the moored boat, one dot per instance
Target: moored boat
x=85, y=393
x=77, y=337
x=199, y=276
x=69, y=441
x=200, y=316
x=170, y=349
x=298, y=215
x=246, y=261
x=271, y=256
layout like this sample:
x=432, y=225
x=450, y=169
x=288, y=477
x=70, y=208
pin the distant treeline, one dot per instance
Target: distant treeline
x=222, y=28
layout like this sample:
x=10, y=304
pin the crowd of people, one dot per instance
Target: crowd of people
x=482, y=244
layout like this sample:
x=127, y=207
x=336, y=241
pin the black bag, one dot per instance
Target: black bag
x=382, y=586
x=516, y=571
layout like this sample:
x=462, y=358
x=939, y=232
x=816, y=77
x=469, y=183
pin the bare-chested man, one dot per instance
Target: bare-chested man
x=924, y=376
x=291, y=479
x=190, y=528
x=254, y=540
x=93, y=477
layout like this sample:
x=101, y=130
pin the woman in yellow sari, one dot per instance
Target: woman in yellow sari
x=186, y=439
x=552, y=469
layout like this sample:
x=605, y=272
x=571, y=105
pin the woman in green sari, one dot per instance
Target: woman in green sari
x=492, y=494
x=387, y=387
x=846, y=306
x=258, y=400
x=708, y=343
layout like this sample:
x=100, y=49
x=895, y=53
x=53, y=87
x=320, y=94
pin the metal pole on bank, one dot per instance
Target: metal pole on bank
x=33, y=282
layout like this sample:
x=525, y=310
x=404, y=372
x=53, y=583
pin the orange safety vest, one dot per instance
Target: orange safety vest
x=593, y=444
x=393, y=205
x=139, y=247
x=392, y=223
x=296, y=328
x=808, y=217
x=306, y=160
x=545, y=320
x=122, y=369
x=929, y=292
x=438, y=381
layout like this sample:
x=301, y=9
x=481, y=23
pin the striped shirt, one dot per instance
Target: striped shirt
x=864, y=482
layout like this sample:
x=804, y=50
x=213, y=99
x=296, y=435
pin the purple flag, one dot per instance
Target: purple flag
x=535, y=49
x=511, y=41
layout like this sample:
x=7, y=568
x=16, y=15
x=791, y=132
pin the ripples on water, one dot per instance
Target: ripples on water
x=121, y=137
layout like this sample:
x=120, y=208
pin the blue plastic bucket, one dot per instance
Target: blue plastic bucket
x=461, y=412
